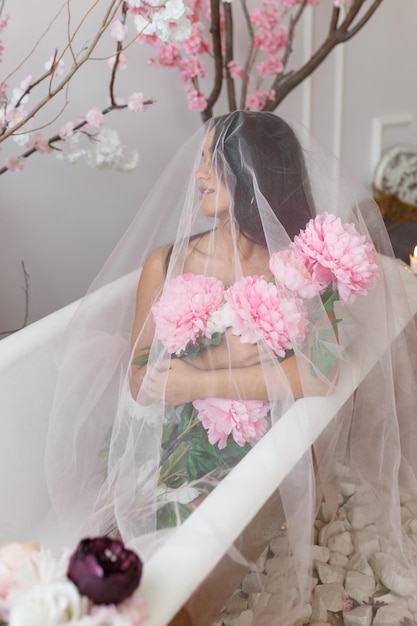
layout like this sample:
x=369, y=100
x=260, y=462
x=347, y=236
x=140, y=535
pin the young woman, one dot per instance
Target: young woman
x=257, y=283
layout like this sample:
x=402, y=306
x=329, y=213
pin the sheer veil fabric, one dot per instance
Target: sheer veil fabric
x=133, y=447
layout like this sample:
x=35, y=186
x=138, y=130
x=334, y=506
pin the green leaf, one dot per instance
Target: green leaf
x=322, y=357
x=142, y=359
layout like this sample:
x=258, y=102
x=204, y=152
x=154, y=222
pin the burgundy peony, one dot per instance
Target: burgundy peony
x=104, y=570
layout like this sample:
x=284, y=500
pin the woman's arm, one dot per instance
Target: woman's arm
x=150, y=285
x=184, y=383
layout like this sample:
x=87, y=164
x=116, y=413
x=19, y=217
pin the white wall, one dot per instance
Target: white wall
x=63, y=220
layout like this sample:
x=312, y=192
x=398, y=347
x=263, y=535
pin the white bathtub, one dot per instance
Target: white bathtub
x=27, y=364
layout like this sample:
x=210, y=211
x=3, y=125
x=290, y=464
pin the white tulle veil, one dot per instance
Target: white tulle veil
x=105, y=447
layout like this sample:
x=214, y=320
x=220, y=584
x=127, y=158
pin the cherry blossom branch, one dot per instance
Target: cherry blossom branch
x=105, y=22
x=250, y=55
x=283, y=85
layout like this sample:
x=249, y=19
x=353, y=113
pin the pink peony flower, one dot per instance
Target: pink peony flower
x=290, y=270
x=337, y=253
x=260, y=311
x=183, y=313
x=245, y=421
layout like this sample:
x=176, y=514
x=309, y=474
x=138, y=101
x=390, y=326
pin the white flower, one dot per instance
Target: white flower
x=220, y=320
x=104, y=151
x=182, y=30
x=173, y=11
x=170, y=23
x=183, y=495
x=47, y=605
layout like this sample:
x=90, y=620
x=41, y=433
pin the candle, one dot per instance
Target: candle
x=413, y=261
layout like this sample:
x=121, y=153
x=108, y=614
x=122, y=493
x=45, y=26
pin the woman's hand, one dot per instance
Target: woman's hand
x=180, y=380
x=230, y=353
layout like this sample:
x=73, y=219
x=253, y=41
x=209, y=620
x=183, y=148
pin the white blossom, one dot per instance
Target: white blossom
x=170, y=23
x=105, y=151
x=50, y=604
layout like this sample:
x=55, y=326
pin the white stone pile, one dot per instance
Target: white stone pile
x=359, y=576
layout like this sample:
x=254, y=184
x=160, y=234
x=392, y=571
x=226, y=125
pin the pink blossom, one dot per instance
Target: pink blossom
x=94, y=117
x=245, y=421
x=290, y=270
x=194, y=44
x=25, y=83
x=197, y=101
x=14, y=164
x=260, y=311
x=336, y=253
x=40, y=143
x=235, y=70
x=118, y=30
x=67, y=130
x=258, y=100
x=169, y=55
x=135, y=102
x=55, y=65
x=347, y=604
x=338, y=3
x=183, y=313
x=270, y=67
x=190, y=68
x=121, y=61
x=12, y=556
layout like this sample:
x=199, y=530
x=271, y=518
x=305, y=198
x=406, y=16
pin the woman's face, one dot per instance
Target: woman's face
x=215, y=198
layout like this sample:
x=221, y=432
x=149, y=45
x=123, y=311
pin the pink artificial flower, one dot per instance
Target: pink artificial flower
x=245, y=421
x=191, y=68
x=259, y=311
x=122, y=61
x=194, y=44
x=24, y=84
x=270, y=67
x=12, y=556
x=118, y=30
x=197, y=101
x=337, y=253
x=257, y=101
x=40, y=143
x=235, y=70
x=183, y=312
x=338, y=3
x=135, y=102
x=67, y=130
x=347, y=604
x=55, y=65
x=169, y=55
x=290, y=270
x=14, y=164
x=94, y=117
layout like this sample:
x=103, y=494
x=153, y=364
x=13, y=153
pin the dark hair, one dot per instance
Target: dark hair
x=263, y=143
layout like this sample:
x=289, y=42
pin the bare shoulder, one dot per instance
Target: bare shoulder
x=155, y=263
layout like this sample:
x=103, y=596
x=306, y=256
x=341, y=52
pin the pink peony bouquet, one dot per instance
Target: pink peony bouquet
x=95, y=586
